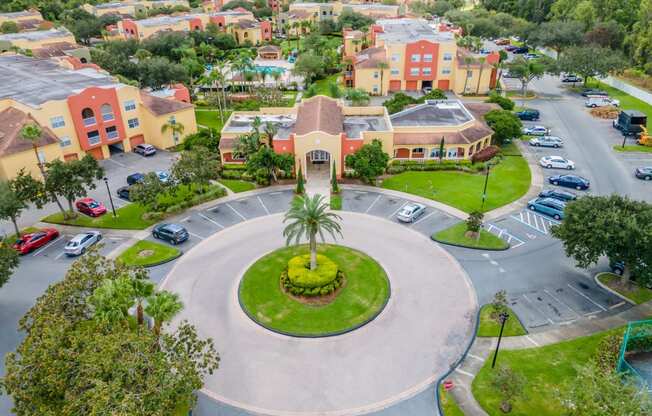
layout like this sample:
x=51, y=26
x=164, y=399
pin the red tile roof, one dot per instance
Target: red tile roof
x=12, y=121
x=370, y=58
x=319, y=114
x=160, y=106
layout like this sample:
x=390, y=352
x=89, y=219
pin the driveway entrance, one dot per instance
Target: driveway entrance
x=318, y=168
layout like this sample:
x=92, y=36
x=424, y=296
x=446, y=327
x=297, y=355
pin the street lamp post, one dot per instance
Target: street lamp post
x=503, y=318
x=484, y=191
x=106, y=182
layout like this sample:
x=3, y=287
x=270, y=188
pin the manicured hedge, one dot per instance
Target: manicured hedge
x=298, y=279
x=400, y=166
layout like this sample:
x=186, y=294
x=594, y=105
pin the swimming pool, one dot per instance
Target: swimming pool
x=269, y=69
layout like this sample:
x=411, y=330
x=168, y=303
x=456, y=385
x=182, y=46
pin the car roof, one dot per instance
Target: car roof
x=80, y=236
x=87, y=199
x=172, y=227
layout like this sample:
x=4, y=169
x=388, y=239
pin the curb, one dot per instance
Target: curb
x=610, y=290
x=165, y=261
x=432, y=237
x=513, y=314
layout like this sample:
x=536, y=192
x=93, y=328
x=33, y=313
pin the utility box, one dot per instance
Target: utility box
x=630, y=122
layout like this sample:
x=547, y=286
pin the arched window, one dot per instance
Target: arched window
x=107, y=112
x=88, y=117
x=246, y=34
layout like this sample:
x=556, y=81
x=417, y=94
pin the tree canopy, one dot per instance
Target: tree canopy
x=368, y=162
x=505, y=124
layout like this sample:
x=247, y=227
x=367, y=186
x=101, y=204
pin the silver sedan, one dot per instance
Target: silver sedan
x=410, y=212
x=81, y=242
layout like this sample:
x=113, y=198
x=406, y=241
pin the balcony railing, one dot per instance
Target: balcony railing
x=108, y=117
x=112, y=135
x=93, y=140
x=89, y=121
x=348, y=74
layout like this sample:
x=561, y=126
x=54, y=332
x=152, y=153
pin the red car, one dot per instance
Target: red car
x=91, y=207
x=32, y=241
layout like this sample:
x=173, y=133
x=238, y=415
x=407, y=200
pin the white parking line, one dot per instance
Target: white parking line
x=583, y=295
x=59, y=256
x=539, y=310
x=372, y=204
x=42, y=249
x=263, y=204
x=561, y=302
x=399, y=208
x=210, y=220
x=466, y=373
x=475, y=356
x=184, y=219
x=422, y=218
x=236, y=211
x=196, y=235
x=275, y=193
x=617, y=305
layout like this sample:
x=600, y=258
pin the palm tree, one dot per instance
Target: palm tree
x=162, y=307
x=112, y=299
x=32, y=132
x=468, y=60
x=382, y=66
x=270, y=131
x=142, y=289
x=173, y=126
x=481, y=60
x=308, y=217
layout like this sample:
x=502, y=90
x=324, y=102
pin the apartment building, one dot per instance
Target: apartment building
x=332, y=10
x=52, y=43
x=410, y=55
x=131, y=7
x=25, y=20
x=322, y=131
x=80, y=112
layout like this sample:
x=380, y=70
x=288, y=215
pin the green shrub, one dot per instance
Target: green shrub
x=231, y=174
x=504, y=102
x=300, y=274
x=235, y=166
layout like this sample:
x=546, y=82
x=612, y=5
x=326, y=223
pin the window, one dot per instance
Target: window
x=65, y=141
x=434, y=153
x=375, y=89
x=416, y=58
x=107, y=112
x=469, y=74
x=414, y=71
x=133, y=123
x=130, y=105
x=448, y=56
x=375, y=74
x=246, y=35
x=112, y=132
x=427, y=58
x=57, y=122
x=395, y=71
x=93, y=137
x=445, y=71
x=419, y=150
x=395, y=57
x=88, y=117
x=427, y=71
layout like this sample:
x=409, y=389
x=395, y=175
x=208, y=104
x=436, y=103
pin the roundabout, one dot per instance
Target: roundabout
x=423, y=329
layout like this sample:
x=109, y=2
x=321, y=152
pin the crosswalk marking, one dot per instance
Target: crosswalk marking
x=513, y=241
x=535, y=221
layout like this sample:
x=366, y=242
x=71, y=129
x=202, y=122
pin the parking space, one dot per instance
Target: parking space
x=534, y=221
x=505, y=234
x=53, y=251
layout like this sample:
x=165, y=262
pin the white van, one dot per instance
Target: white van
x=594, y=101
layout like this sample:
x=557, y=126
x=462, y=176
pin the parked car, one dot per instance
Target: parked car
x=548, y=206
x=521, y=50
x=145, y=149
x=601, y=101
x=410, y=212
x=528, y=114
x=618, y=267
x=426, y=90
x=644, y=173
x=556, y=162
x=536, y=131
x=81, y=242
x=559, y=194
x=531, y=56
x=502, y=41
x=571, y=78
x=507, y=74
x=484, y=51
x=123, y=192
x=91, y=207
x=630, y=122
x=570, y=181
x=135, y=178
x=172, y=233
x=595, y=92
x=511, y=48
x=547, y=141
x=30, y=242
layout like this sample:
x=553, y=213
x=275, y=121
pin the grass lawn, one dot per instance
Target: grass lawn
x=129, y=217
x=336, y=201
x=322, y=84
x=448, y=403
x=508, y=181
x=455, y=235
x=210, y=118
x=627, y=102
x=11, y=239
x=488, y=326
x=632, y=291
x=517, y=94
x=633, y=148
x=363, y=296
x=148, y=253
x=237, y=185
x=544, y=368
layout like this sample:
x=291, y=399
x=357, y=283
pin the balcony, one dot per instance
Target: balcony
x=112, y=135
x=108, y=117
x=348, y=74
x=94, y=139
x=90, y=121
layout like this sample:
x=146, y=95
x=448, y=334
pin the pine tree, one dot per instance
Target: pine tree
x=334, y=185
x=300, y=188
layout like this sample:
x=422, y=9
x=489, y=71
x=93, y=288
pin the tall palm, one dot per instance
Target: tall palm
x=270, y=130
x=32, y=133
x=162, y=307
x=309, y=217
x=173, y=126
x=481, y=60
x=382, y=66
x=142, y=289
x=467, y=64
x=112, y=299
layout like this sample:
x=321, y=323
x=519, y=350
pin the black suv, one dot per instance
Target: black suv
x=123, y=192
x=528, y=114
x=135, y=178
x=172, y=233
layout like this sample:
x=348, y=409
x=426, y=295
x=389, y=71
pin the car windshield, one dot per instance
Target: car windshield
x=37, y=236
x=93, y=204
x=73, y=244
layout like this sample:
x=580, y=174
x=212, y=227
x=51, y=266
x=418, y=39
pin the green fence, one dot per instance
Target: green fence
x=637, y=339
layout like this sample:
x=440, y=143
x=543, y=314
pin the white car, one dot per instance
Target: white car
x=546, y=141
x=595, y=101
x=557, y=162
x=81, y=242
x=536, y=131
x=410, y=212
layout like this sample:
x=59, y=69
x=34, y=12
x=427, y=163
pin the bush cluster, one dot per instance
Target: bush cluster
x=400, y=166
x=239, y=171
x=504, y=102
x=485, y=154
x=299, y=280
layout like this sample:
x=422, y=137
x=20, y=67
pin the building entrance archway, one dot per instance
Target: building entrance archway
x=318, y=166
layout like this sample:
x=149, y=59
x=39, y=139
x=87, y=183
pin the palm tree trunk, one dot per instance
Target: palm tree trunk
x=139, y=313
x=313, y=251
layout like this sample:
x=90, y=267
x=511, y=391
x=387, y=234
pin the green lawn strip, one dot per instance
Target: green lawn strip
x=508, y=181
x=627, y=102
x=456, y=235
x=488, y=327
x=152, y=254
x=237, y=185
x=545, y=369
x=182, y=409
x=632, y=148
x=364, y=295
x=322, y=84
x=448, y=403
x=129, y=217
x=11, y=239
x=210, y=118
x=633, y=291
x=336, y=202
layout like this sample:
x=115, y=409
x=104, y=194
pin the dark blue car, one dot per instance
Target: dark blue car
x=564, y=196
x=570, y=181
